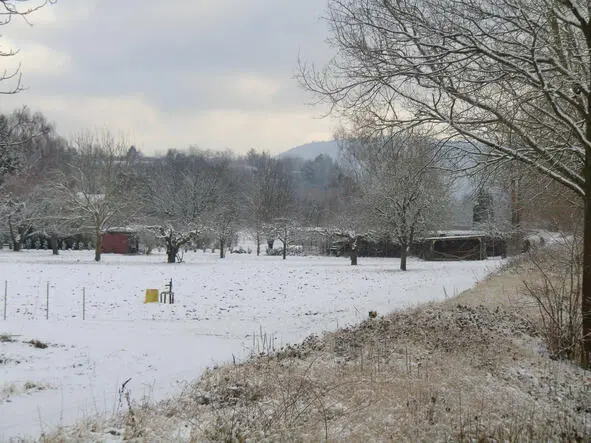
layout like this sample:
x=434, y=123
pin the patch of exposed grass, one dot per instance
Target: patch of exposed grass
x=13, y=389
x=37, y=344
x=7, y=361
x=7, y=338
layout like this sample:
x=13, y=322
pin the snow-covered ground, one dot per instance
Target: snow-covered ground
x=224, y=309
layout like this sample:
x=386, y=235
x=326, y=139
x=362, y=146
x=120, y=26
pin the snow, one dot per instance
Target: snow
x=225, y=309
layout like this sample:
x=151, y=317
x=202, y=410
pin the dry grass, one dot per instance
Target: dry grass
x=37, y=344
x=7, y=338
x=468, y=369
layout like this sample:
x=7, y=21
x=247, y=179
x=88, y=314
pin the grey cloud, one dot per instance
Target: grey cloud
x=218, y=63
x=130, y=49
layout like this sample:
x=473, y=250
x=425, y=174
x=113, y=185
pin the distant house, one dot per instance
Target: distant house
x=120, y=241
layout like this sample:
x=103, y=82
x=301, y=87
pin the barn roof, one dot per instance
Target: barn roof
x=456, y=237
x=121, y=230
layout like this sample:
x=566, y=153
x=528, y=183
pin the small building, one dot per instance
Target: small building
x=456, y=247
x=120, y=241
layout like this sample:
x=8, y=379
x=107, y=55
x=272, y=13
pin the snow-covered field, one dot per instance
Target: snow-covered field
x=224, y=309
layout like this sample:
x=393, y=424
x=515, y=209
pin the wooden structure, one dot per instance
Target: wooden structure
x=120, y=241
x=456, y=247
x=365, y=248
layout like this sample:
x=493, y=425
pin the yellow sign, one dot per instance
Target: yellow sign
x=151, y=296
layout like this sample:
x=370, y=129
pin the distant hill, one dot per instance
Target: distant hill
x=310, y=151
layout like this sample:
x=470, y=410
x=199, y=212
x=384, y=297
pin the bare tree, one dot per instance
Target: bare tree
x=350, y=222
x=181, y=196
x=225, y=225
x=226, y=211
x=31, y=207
x=30, y=154
x=270, y=195
x=285, y=229
x=55, y=219
x=19, y=209
x=19, y=213
x=94, y=189
x=174, y=239
x=351, y=231
x=514, y=76
x=530, y=200
x=400, y=184
x=28, y=144
x=166, y=210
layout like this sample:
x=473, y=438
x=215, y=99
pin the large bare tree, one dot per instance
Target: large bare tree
x=182, y=195
x=94, y=188
x=512, y=75
x=400, y=185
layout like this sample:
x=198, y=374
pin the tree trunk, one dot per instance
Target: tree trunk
x=515, y=203
x=284, y=249
x=515, y=246
x=99, y=246
x=258, y=244
x=171, y=252
x=270, y=242
x=222, y=248
x=16, y=240
x=586, y=296
x=403, y=255
x=354, y=256
x=54, y=246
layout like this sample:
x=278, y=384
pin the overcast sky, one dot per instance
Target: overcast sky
x=170, y=74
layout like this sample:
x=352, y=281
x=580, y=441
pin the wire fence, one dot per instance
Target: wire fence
x=46, y=308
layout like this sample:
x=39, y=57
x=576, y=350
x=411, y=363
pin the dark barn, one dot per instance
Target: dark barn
x=459, y=247
x=120, y=242
x=366, y=248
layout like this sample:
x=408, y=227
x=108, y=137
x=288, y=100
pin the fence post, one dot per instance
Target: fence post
x=47, y=302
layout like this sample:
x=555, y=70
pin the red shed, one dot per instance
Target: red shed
x=120, y=242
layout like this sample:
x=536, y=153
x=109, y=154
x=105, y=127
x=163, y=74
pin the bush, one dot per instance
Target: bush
x=291, y=250
x=556, y=288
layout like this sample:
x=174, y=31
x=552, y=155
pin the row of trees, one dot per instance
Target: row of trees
x=390, y=186
x=394, y=186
